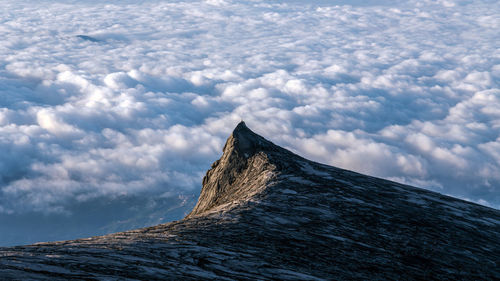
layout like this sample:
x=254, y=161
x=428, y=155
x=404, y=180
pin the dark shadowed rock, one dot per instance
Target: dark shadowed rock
x=88, y=38
x=266, y=213
x=240, y=173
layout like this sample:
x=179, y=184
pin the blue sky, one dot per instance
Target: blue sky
x=122, y=106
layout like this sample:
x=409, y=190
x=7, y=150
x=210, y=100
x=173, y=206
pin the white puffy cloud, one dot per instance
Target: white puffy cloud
x=125, y=98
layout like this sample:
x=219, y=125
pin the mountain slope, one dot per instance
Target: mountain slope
x=267, y=213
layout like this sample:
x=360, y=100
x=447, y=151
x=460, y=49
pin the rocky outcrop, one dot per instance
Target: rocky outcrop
x=266, y=213
x=242, y=171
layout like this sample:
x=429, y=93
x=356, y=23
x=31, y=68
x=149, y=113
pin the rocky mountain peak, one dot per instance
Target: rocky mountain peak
x=242, y=170
x=245, y=141
x=265, y=213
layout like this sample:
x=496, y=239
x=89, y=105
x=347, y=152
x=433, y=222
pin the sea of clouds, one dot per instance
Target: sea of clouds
x=130, y=101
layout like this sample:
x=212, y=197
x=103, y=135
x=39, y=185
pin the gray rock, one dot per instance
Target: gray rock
x=266, y=213
x=88, y=38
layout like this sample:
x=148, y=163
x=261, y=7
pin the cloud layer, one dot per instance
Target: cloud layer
x=102, y=100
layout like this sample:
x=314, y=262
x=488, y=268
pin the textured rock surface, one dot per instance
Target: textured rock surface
x=267, y=213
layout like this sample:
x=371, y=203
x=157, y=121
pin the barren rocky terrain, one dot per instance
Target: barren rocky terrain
x=266, y=213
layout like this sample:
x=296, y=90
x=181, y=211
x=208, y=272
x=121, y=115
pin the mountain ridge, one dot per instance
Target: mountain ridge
x=222, y=183
x=266, y=213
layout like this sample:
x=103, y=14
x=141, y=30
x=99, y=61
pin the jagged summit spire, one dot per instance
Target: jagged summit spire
x=241, y=125
x=243, y=136
x=242, y=170
x=245, y=142
x=242, y=128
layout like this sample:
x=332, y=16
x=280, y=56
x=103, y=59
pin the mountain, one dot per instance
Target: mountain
x=266, y=213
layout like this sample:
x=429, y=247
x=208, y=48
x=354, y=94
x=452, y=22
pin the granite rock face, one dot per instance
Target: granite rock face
x=266, y=213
